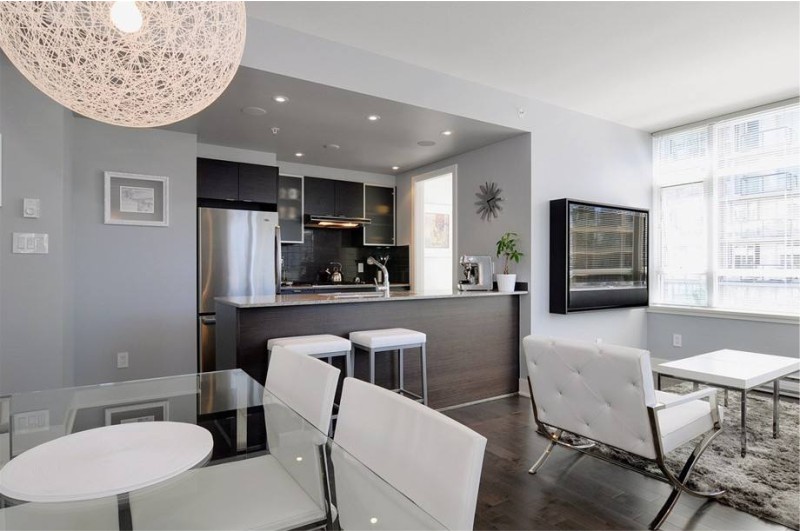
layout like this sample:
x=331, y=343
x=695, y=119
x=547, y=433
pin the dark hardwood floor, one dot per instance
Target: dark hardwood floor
x=572, y=490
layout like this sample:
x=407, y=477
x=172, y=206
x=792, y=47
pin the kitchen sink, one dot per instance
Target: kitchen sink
x=372, y=295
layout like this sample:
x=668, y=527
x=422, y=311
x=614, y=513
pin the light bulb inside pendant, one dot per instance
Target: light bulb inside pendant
x=126, y=16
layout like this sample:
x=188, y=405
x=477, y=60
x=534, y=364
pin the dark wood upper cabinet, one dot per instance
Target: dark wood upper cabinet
x=258, y=183
x=233, y=181
x=319, y=196
x=217, y=179
x=379, y=206
x=349, y=199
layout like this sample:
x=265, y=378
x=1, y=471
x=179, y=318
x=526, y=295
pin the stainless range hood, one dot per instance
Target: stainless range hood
x=335, y=222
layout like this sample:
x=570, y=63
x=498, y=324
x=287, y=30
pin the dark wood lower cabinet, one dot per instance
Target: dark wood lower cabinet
x=472, y=343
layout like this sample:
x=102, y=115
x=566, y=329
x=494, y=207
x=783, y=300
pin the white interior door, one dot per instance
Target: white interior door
x=433, y=248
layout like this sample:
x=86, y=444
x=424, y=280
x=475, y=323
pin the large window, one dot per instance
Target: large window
x=727, y=213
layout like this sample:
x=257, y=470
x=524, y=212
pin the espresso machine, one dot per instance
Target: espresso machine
x=476, y=273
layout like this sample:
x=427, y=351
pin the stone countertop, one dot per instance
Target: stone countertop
x=337, y=287
x=271, y=301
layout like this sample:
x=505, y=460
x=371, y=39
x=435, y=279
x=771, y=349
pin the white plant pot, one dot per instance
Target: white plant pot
x=506, y=283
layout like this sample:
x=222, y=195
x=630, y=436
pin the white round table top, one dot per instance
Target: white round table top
x=105, y=461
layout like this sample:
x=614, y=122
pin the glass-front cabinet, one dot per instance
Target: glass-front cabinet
x=290, y=208
x=379, y=206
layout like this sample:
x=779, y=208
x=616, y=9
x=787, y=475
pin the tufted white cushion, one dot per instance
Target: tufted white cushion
x=430, y=458
x=305, y=384
x=311, y=345
x=388, y=337
x=596, y=390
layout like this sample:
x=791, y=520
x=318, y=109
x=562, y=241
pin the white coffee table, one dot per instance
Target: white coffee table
x=735, y=370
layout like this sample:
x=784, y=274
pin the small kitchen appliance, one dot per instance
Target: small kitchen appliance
x=476, y=273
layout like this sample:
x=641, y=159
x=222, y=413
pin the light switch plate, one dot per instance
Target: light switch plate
x=31, y=208
x=30, y=243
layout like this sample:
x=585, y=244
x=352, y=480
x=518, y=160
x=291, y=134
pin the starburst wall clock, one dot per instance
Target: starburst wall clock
x=488, y=202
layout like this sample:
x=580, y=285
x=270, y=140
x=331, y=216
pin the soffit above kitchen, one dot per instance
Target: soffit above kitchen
x=331, y=126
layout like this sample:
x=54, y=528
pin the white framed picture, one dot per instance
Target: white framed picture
x=147, y=412
x=132, y=199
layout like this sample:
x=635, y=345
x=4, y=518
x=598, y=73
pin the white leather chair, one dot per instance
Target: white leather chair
x=605, y=393
x=281, y=490
x=430, y=458
x=305, y=384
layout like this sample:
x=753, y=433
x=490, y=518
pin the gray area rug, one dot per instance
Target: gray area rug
x=765, y=483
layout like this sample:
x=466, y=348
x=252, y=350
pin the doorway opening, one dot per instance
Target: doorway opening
x=434, y=231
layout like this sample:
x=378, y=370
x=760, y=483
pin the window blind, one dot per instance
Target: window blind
x=727, y=213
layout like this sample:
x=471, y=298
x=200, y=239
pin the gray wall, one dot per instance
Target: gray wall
x=508, y=164
x=34, y=338
x=705, y=334
x=134, y=287
x=581, y=157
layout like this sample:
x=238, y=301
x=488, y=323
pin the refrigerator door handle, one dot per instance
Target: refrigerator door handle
x=278, y=260
x=208, y=320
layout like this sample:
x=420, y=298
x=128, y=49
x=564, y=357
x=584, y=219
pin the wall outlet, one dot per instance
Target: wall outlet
x=677, y=340
x=360, y=267
x=122, y=360
x=32, y=421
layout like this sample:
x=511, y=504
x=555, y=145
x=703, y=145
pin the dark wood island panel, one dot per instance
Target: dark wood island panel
x=472, y=343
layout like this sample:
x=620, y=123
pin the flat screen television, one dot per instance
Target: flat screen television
x=598, y=256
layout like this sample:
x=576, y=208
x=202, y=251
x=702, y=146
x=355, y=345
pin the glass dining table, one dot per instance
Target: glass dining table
x=269, y=468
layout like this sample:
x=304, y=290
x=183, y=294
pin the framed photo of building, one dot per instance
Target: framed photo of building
x=146, y=412
x=132, y=199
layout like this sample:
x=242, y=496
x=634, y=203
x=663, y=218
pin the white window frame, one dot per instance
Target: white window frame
x=713, y=267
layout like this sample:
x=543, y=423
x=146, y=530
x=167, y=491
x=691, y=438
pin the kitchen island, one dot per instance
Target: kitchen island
x=472, y=337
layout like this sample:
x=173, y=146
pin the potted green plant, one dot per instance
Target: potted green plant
x=508, y=250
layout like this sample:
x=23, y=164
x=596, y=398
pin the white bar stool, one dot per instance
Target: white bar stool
x=390, y=339
x=318, y=346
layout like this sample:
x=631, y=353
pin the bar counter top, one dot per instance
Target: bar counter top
x=302, y=299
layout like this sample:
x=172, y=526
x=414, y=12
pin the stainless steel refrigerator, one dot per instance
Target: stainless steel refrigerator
x=239, y=254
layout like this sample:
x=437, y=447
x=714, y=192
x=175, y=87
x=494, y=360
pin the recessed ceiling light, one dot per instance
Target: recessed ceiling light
x=280, y=99
x=254, y=111
x=332, y=146
x=447, y=132
x=298, y=154
x=395, y=168
x=426, y=143
x=373, y=117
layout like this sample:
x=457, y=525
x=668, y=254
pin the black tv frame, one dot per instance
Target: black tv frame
x=560, y=300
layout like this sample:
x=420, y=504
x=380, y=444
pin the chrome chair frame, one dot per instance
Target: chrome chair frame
x=678, y=482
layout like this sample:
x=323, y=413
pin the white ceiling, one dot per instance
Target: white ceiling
x=648, y=65
x=316, y=115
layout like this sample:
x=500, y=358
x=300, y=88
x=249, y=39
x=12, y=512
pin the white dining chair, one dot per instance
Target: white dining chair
x=306, y=384
x=605, y=393
x=428, y=457
x=281, y=490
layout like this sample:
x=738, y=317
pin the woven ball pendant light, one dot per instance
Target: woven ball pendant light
x=135, y=64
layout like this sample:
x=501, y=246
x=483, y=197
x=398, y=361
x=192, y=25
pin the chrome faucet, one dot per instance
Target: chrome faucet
x=385, y=286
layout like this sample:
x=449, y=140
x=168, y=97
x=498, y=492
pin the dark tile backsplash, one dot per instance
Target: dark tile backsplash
x=302, y=262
